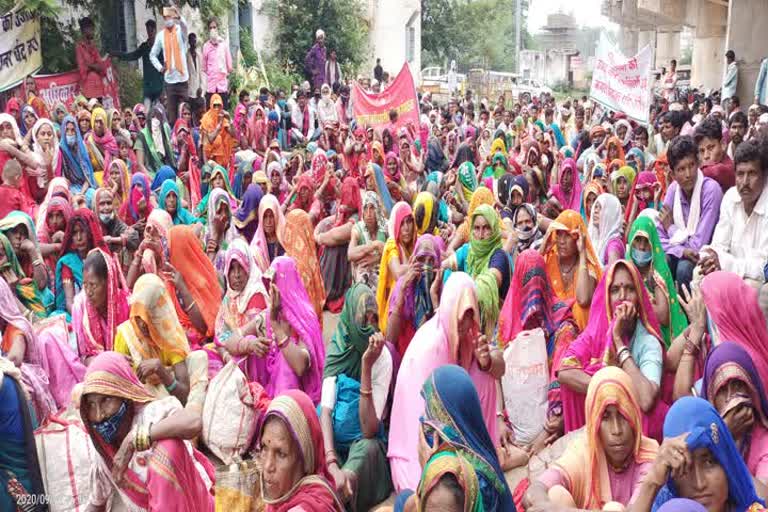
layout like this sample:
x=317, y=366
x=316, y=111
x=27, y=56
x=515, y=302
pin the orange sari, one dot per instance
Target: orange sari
x=220, y=150
x=187, y=256
x=571, y=222
x=299, y=244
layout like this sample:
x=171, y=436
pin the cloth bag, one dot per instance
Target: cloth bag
x=231, y=412
x=525, y=384
x=66, y=456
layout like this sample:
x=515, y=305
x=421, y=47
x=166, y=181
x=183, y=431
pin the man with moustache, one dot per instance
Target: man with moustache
x=740, y=241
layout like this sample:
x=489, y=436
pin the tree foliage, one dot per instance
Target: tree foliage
x=296, y=21
x=477, y=33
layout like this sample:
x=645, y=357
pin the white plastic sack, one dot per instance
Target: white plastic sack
x=525, y=384
x=66, y=455
x=229, y=414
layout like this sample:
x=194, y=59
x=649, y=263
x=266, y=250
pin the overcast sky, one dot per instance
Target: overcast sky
x=587, y=14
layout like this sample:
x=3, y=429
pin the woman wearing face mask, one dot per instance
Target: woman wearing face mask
x=153, y=146
x=527, y=234
x=644, y=248
x=326, y=108
x=144, y=458
x=76, y=164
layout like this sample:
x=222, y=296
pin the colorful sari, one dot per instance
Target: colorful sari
x=181, y=216
x=57, y=187
x=246, y=216
x=239, y=308
x=202, y=206
x=188, y=258
x=614, y=143
x=101, y=149
x=729, y=362
x=299, y=244
x=272, y=371
x=70, y=264
x=94, y=332
x=217, y=199
x=660, y=276
x=417, y=301
x=25, y=288
x=646, y=180
x=315, y=490
x=449, y=462
x=735, y=313
x=392, y=249
x=705, y=429
x=571, y=222
x=483, y=195
x=170, y=475
x=437, y=343
x=532, y=303
x=260, y=246
x=380, y=186
x=156, y=143
x=220, y=150
x=568, y=200
x=584, y=464
x=129, y=211
x=453, y=411
x=124, y=186
x=594, y=349
x=467, y=179
x=76, y=168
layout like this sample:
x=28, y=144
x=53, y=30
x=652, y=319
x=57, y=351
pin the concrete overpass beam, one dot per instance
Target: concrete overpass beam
x=748, y=38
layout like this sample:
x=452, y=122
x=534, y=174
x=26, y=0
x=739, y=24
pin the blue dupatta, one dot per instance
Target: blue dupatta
x=77, y=168
x=182, y=215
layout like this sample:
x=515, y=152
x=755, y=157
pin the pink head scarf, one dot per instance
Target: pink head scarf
x=568, y=200
x=259, y=242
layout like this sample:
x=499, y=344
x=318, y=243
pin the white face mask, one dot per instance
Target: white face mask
x=214, y=33
x=155, y=123
x=169, y=23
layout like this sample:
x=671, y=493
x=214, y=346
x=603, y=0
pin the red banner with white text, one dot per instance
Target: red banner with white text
x=373, y=109
x=65, y=87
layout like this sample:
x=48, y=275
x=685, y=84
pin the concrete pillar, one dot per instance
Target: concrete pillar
x=667, y=47
x=748, y=38
x=646, y=37
x=709, y=45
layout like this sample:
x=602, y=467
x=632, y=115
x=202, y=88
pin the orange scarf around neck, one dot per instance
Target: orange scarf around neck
x=172, y=50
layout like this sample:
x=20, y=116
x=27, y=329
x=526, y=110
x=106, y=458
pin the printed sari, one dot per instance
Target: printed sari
x=393, y=250
x=299, y=244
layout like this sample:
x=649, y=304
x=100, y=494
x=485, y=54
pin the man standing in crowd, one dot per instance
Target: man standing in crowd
x=196, y=76
x=378, y=71
x=217, y=64
x=333, y=71
x=90, y=65
x=314, y=63
x=152, y=82
x=172, y=42
x=730, y=81
x=761, y=85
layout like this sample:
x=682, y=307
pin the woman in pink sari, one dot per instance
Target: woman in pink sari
x=567, y=190
x=292, y=354
x=100, y=306
x=161, y=470
x=267, y=243
x=622, y=331
x=451, y=336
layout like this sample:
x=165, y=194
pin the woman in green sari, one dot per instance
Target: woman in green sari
x=25, y=288
x=218, y=178
x=170, y=200
x=357, y=379
x=484, y=259
x=153, y=144
x=467, y=181
x=644, y=247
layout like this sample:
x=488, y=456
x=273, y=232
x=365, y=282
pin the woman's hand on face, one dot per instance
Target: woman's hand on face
x=740, y=420
x=483, y=353
x=580, y=243
x=123, y=457
x=626, y=317
x=673, y=460
x=693, y=304
x=150, y=367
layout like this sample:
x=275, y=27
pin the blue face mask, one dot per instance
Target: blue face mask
x=641, y=258
x=107, y=429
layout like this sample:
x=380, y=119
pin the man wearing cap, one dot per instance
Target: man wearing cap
x=172, y=43
x=314, y=62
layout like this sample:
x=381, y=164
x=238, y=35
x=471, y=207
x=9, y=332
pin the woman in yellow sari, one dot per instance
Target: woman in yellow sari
x=571, y=263
x=394, y=258
x=154, y=341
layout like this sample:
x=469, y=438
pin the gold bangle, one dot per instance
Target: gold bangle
x=366, y=392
